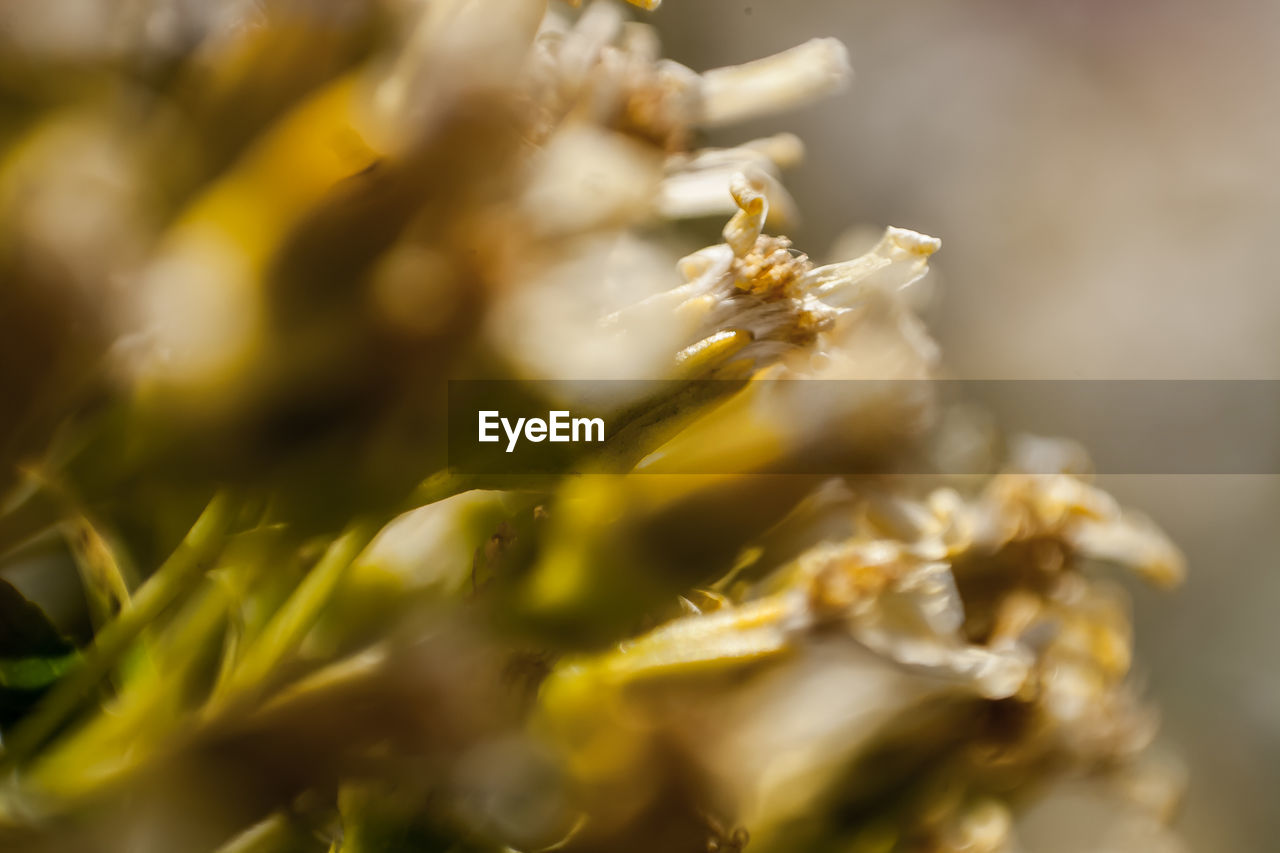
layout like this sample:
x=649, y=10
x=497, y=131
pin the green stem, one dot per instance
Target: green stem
x=184, y=567
x=296, y=617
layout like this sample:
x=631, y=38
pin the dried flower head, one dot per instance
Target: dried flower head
x=246, y=259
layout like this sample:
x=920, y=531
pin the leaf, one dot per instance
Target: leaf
x=28, y=674
x=33, y=655
x=24, y=629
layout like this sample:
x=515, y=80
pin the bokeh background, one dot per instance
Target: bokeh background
x=1105, y=178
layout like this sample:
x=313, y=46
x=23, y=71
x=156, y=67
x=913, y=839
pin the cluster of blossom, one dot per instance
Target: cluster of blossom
x=431, y=190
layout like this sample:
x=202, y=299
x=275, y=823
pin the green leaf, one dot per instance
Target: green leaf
x=34, y=673
x=24, y=629
x=33, y=655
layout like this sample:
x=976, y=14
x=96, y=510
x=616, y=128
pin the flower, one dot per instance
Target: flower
x=254, y=301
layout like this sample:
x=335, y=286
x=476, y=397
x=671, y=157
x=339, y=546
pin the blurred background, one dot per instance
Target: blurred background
x=1105, y=178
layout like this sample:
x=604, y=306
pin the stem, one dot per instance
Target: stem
x=291, y=623
x=184, y=567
